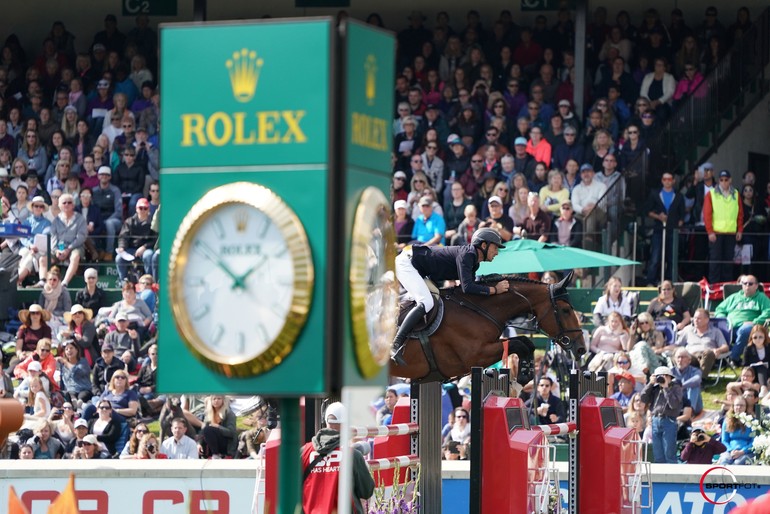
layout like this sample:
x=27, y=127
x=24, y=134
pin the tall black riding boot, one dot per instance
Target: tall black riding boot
x=399, y=342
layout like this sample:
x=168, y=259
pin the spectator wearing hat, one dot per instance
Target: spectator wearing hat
x=666, y=207
x=429, y=227
x=399, y=189
x=104, y=368
x=34, y=372
x=80, y=429
x=99, y=105
x=147, y=156
x=28, y=252
x=34, y=327
x=701, y=448
x=664, y=396
x=571, y=148
x=626, y=386
x=498, y=219
x=468, y=124
x=585, y=199
x=321, y=474
x=723, y=217
x=107, y=197
x=524, y=162
x=88, y=448
x=456, y=162
x=136, y=240
x=403, y=223
x=81, y=329
x=567, y=230
x=126, y=340
x=130, y=177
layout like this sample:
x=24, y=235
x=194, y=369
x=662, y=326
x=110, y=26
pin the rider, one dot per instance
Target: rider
x=442, y=263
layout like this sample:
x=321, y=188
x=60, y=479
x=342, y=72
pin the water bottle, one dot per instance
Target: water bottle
x=60, y=246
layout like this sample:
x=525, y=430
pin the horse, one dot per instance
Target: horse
x=469, y=334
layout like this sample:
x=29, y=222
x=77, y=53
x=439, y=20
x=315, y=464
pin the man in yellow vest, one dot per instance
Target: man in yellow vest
x=723, y=215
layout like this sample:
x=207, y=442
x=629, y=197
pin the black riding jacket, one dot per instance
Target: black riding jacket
x=449, y=263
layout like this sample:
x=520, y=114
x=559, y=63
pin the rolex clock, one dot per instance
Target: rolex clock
x=241, y=279
x=373, y=285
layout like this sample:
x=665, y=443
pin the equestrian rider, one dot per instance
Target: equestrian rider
x=439, y=264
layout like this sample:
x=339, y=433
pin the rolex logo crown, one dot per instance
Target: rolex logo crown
x=370, y=67
x=244, y=70
x=241, y=220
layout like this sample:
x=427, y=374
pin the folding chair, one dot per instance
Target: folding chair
x=724, y=326
x=667, y=327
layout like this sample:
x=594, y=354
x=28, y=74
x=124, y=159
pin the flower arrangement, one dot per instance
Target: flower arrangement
x=761, y=431
x=403, y=498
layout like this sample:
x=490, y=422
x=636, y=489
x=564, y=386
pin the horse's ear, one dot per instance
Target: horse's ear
x=566, y=280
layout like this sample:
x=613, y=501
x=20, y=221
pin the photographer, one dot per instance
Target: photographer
x=701, y=448
x=321, y=472
x=149, y=448
x=663, y=394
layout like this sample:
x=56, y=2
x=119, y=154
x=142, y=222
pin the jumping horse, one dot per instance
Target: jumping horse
x=469, y=332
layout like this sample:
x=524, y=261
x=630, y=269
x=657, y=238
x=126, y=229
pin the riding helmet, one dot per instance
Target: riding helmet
x=487, y=235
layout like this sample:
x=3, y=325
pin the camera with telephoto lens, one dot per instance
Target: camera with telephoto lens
x=80, y=444
x=701, y=437
x=151, y=448
x=660, y=379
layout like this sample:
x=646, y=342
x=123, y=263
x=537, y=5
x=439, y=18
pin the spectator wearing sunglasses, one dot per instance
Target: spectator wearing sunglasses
x=744, y=309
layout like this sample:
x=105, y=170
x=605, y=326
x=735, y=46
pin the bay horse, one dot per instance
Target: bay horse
x=469, y=334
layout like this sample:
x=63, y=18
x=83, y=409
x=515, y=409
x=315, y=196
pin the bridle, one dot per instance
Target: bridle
x=556, y=293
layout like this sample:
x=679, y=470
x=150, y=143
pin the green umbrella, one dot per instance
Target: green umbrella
x=526, y=255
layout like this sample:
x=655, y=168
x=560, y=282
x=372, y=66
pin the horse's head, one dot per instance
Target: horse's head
x=563, y=324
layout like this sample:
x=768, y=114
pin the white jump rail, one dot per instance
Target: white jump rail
x=403, y=461
x=384, y=430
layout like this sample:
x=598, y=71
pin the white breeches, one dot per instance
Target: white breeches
x=412, y=281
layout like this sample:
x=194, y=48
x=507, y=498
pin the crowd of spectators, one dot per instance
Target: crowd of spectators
x=491, y=108
x=485, y=134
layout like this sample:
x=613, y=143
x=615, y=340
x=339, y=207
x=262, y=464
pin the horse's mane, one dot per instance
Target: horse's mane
x=493, y=279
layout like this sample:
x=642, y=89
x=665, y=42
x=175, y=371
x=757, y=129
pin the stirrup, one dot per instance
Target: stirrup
x=397, y=354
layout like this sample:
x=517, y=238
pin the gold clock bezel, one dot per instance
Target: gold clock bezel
x=373, y=207
x=290, y=227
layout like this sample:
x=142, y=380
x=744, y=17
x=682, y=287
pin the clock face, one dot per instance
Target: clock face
x=242, y=279
x=373, y=285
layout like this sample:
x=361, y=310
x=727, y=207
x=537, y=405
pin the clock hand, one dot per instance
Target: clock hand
x=212, y=255
x=254, y=268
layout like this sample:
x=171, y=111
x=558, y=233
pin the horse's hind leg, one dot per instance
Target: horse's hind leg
x=525, y=349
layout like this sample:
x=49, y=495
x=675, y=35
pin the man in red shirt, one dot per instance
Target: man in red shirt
x=321, y=467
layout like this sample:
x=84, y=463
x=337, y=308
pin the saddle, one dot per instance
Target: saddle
x=432, y=319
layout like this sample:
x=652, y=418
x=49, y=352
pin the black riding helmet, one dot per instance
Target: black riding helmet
x=487, y=235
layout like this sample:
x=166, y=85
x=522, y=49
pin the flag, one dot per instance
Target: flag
x=67, y=501
x=14, y=503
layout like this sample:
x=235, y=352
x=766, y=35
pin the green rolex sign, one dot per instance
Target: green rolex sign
x=244, y=174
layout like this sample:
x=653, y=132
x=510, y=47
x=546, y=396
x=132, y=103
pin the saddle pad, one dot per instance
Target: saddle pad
x=430, y=322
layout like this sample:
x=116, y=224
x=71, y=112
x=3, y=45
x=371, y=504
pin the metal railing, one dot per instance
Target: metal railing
x=698, y=124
